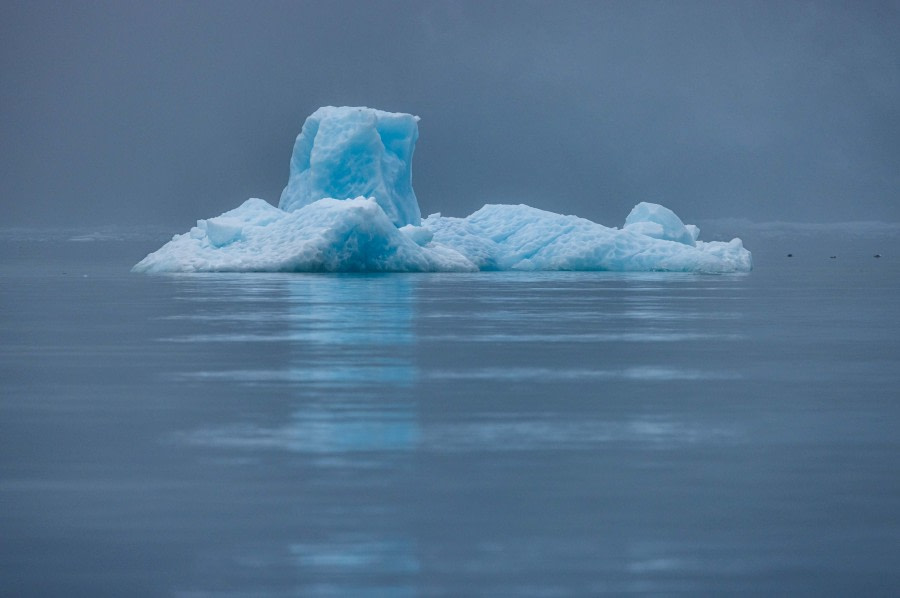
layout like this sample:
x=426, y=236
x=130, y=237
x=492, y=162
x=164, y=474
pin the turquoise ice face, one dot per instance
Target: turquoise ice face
x=347, y=152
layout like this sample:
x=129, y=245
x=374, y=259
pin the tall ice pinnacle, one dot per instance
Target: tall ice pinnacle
x=348, y=152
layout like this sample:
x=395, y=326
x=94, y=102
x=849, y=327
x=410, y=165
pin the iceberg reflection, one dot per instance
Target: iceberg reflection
x=387, y=412
x=319, y=431
x=341, y=339
x=314, y=369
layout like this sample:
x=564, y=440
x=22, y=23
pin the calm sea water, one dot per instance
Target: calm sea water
x=497, y=434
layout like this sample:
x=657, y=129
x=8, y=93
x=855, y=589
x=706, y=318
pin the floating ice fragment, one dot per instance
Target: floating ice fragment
x=349, y=206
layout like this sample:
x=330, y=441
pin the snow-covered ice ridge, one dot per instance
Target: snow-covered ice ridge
x=349, y=206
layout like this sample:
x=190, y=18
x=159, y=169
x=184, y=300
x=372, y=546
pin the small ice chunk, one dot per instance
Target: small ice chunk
x=693, y=230
x=659, y=222
x=255, y=212
x=223, y=230
x=419, y=234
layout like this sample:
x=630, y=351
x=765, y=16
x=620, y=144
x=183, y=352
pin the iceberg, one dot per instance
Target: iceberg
x=349, y=206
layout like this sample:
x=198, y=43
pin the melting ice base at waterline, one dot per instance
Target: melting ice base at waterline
x=349, y=206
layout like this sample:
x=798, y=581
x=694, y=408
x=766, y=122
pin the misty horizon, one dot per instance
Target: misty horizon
x=127, y=114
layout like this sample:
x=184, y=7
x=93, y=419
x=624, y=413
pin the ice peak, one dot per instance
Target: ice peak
x=347, y=152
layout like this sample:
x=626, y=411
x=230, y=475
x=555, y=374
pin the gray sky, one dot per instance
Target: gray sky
x=164, y=112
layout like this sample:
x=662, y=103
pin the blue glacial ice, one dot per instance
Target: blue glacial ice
x=355, y=152
x=349, y=206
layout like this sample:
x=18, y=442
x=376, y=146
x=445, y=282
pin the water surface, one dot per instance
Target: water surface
x=451, y=434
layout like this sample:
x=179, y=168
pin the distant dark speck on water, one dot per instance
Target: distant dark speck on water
x=877, y=255
x=834, y=257
x=790, y=255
